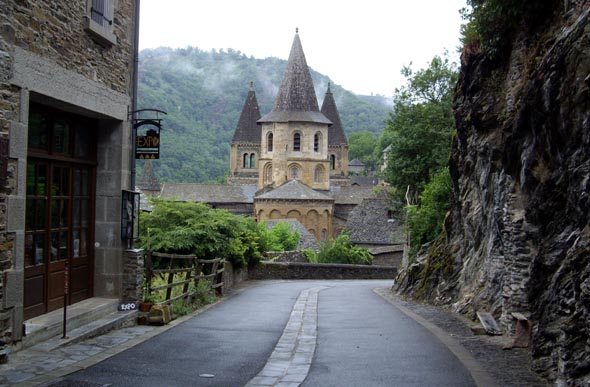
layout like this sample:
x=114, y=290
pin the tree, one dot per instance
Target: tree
x=421, y=127
x=361, y=146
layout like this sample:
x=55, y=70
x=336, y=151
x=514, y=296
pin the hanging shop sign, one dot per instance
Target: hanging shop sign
x=147, y=135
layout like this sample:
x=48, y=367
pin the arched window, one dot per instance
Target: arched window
x=317, y=142
x=246, y=163
x=295, y=172
x=268, y=173
x=253, y=160
x=332, y=162
x=318, y=174
x=269, y=142
x=324, y=234
x=296, y=142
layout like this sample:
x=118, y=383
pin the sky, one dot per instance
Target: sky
x=361, y=45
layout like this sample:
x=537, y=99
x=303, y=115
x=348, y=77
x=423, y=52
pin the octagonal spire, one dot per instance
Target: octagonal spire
x=296, y=100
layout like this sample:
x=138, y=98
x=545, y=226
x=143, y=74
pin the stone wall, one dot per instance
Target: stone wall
x=319, y=271
x=286, y=256
x=232, y=277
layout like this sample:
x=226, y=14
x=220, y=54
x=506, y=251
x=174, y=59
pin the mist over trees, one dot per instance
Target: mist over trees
x=203, y=93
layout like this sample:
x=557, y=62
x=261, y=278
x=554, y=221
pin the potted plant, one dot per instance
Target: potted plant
x=148, y=301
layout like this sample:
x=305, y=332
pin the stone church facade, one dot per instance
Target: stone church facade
x=294, y=153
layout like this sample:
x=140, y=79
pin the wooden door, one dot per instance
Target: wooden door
x=59, y=211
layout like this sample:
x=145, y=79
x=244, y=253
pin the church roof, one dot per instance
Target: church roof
x=294, y=190
x=350, y=194
x=247, y=130
x=296, y=100
x=209, y=193
x=148, y=180
x=369, y=223
x=336, y=134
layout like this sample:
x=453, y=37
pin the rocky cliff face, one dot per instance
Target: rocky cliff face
x=518, y=236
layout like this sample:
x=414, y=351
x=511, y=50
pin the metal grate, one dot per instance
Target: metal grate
x=73, y=383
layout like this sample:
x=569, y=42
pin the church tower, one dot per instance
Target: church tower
x=337, y=142
x=245, y=145
x=294, y=135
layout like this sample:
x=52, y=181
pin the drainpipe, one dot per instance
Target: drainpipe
x=136, y=4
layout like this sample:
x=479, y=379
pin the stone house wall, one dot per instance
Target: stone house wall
x=48, y=56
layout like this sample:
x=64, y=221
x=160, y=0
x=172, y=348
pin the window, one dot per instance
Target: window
x=269, y=142
x=317, y=142
x=246, y=162
x=252, y=160
x=99, y=21
x=297, y=142
x=295, y=172
x=318, y=174
x=332, y=162
x=268, y=173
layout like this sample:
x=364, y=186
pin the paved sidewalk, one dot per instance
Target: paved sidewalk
x=508, y=368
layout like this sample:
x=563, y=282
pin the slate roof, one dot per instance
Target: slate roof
x=247, y=130
x=364, y=181
x=148, y=180
x=368, y=223
x=306, y=239
x=356, y=163
x=336, y=134
x=209, y=193
x=350, y=194
x=296, y=100
x=294, y=190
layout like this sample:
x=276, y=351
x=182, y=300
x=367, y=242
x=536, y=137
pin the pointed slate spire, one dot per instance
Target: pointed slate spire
x=296, y=100
x=247, y=131
x=148, y=180
x=336, y=134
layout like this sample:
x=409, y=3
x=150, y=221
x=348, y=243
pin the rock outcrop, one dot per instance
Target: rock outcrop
x=517, y=238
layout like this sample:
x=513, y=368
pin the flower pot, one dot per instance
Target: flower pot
x=145, y=306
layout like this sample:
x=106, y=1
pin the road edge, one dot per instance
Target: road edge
x=480, y=376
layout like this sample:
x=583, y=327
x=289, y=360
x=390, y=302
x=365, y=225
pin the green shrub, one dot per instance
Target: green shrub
x=195, y=228
x=425, y=221
x=202, y=294
x=281, y=238
x=340, y=250
x=493, y=23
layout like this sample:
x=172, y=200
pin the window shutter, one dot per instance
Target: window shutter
x=100, y=22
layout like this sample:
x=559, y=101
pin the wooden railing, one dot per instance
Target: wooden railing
x=181, y=271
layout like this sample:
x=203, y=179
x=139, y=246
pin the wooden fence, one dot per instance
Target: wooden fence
x=189, y=268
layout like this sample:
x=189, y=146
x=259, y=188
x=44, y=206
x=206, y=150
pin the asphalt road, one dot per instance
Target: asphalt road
x=361, y=340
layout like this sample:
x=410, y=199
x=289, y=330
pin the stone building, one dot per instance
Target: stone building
x=67, y=82
x=289, y=164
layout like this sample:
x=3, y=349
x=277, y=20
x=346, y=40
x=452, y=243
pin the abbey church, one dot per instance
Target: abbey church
x=292, y=164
